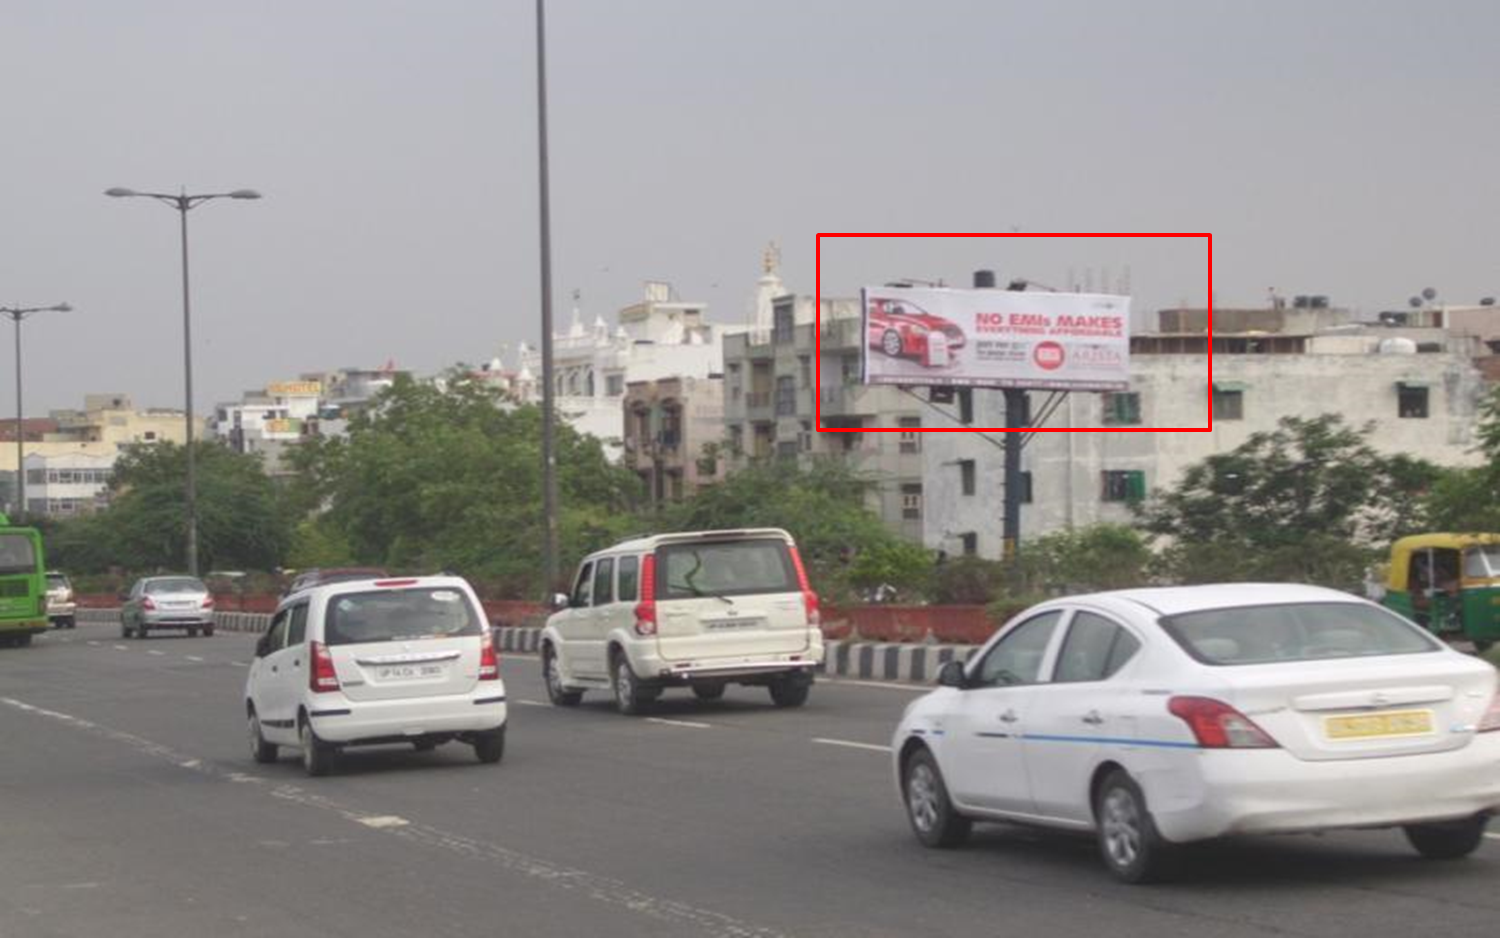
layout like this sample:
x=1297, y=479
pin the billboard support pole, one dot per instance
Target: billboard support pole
x=1017, y=401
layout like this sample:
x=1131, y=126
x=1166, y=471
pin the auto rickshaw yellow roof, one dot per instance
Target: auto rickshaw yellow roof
x=1449, y=541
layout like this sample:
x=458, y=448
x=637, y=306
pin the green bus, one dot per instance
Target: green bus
x=23, y=584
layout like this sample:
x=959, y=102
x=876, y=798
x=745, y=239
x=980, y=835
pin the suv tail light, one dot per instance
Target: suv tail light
x=489, y=661
x=321, y=677
x=1491, y=719
x=148, y=603
x=1217, y=725
x=809, y=598
x=645, y=610
x=208, y=602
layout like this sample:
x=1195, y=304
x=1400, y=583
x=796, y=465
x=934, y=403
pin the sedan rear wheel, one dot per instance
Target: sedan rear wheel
x=317, y=756
x=1132, y=848
x=1449, y=840
x=260, y=750
x=932, y=816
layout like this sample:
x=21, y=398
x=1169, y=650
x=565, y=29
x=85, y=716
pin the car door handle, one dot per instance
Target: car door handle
x=1092, y=718
x=1009, y=716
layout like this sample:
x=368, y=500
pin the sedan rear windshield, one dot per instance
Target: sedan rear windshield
x=176, y=585
x=400, y=615
x=724, y=568
x=1294, y=632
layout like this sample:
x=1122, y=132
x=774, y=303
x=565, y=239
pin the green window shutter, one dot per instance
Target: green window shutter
x=1135, y=486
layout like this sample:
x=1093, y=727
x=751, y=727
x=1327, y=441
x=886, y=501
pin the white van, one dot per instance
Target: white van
x=701, y=609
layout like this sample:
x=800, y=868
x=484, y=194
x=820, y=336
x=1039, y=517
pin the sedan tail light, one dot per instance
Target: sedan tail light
x=321, y=677
x=148, y=603
x=208, y=602
x=1491, y=719
x=489, y=661
x=1217, y=725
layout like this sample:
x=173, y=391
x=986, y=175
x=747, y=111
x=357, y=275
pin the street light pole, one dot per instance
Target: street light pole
x=18, y=313
x=549, y=430
x=183, y=203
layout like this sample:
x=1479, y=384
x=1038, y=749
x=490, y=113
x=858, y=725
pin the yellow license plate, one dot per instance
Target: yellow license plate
x=1368, y=725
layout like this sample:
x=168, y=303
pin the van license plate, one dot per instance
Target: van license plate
x=1370, y=725
x=719, y=624
x=408, y=672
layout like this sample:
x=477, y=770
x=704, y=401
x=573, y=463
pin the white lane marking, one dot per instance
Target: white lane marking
x=121, y=648
x=850, y=744
x=531, y=703
x=1493, y=836
x=155, y=652
x=884, y=685
x=582, y=884
x=240, y=664
x=688, y=723
x=379, y=821
x=93, y=643
x=192, y=657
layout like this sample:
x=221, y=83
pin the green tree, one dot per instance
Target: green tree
x=241, y=522
x=432, y=478
x=1098, y=557
x=1468, y=499
x=1307, y=501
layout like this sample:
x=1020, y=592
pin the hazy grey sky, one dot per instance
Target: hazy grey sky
x=1345, y=148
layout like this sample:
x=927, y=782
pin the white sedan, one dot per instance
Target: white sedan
x=1158, y=717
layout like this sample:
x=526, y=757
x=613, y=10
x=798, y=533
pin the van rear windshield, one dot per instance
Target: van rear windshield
x=16, y=554
x=724, y=568
x=400, y=615
x=1294, y=632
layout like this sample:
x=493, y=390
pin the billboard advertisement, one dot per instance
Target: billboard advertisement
x=282, y=428
x=295, y=389
x=996, y=339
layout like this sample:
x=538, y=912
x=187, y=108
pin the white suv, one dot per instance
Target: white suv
x=376, y=661
x=700, y=609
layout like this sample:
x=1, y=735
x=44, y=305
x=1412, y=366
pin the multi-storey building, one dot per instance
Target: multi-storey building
x=674, y=429
x=772, y=390
x=1417, y=387
x=659, y=337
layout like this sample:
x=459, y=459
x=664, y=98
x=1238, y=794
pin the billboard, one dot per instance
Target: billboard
x=996, y=339
x=282, y=428
x=295, y=389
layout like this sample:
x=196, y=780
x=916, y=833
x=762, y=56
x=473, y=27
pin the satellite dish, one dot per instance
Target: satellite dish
x=1429, y=293
x=1415, y=302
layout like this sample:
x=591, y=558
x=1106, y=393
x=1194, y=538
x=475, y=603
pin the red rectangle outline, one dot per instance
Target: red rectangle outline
x=818, y=333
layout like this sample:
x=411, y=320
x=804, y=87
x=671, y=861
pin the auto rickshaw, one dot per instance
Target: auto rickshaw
x=1449, y=584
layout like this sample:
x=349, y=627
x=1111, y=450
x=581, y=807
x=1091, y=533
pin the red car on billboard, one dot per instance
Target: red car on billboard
x=900, y=329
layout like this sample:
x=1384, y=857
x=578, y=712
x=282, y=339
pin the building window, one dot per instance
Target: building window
x=786, y=449
x=736, y=439
x=1411, y=401
x=970, y=541
x=804, y=369
x=614, y=385
x=36, y=476
x=150, y=435
x=805, y=438
x=783, y=326
x=1122, y=408
x=1229, y=403
x=1127, y=485
x=1026, y=487
x=911, y=501
x=966, y=476
x=965, y=405
x=911, y=441
x=786, y=396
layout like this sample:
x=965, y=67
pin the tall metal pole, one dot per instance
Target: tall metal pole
x=1016, y=415
x=20, y=429
x=549, y=442
x=187, y=367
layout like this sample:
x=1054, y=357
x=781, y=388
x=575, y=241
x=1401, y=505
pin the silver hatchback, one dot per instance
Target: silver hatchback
x=155, y=603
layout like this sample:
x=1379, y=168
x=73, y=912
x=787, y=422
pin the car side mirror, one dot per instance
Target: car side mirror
x=263, y=646
x=560, y=601
x=951, y=674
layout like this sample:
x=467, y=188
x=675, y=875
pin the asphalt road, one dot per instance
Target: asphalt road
x=129, y=807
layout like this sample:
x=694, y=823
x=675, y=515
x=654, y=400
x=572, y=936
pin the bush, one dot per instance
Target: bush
x=967, y=581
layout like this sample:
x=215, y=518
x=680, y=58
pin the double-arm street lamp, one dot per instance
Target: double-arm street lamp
x=16, y=314
x=182, y=203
